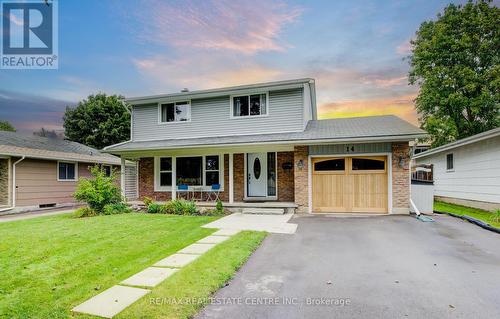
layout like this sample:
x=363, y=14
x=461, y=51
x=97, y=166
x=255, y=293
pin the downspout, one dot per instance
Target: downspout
x=14, y=184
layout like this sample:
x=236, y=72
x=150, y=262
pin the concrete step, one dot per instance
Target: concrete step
x=263, y=211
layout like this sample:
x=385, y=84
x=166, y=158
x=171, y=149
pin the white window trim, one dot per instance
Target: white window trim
x=267, y=197
x=452, y=162
x=203, y=187
x=231, y=111
x=175, y=114
x=68, y=180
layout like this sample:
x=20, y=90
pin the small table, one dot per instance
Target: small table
x=197, y=189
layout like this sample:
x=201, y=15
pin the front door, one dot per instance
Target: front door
x=257, y=174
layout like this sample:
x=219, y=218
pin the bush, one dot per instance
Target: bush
x=113, y=209
x=495, y=216
x=156, y=208
x=218, y=207
x=147, y=201
x=181, y=207
x=85, y=212
x=98, y=191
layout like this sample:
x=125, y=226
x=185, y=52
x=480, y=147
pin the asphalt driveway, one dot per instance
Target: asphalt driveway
x=376, y=267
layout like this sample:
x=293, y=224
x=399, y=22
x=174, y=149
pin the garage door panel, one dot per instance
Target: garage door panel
x=361, y=187
x=329, y=192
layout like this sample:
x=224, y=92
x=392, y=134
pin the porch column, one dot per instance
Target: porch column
x=174, y=178
x=122, y=176
x=231, y=178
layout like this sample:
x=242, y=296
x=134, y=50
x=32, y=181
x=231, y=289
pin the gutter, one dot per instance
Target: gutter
x=365, y=139
x=14, y=184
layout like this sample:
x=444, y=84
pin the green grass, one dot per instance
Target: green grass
x=184, y=293
x=480, y=214
x=48, y=265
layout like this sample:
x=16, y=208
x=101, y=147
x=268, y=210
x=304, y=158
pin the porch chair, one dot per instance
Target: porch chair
x=183, y=189
x=213, y=193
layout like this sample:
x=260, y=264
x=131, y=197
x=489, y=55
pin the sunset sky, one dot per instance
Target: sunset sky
x=354, y=50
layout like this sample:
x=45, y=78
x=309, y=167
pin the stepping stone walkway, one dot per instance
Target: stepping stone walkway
x=114, y=300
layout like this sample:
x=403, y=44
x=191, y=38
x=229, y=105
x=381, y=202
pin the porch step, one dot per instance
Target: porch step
x=263, y=211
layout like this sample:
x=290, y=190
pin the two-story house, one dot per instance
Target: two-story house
x=262, y=143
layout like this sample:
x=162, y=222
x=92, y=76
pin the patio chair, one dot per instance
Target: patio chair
x=183, y=189
x=214, y=192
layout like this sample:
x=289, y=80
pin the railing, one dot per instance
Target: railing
x=423, y=173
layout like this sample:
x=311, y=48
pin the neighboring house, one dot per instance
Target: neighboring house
x=467, y=172
x=41, y=172
x=262, y=143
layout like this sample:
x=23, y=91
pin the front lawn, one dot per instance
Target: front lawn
x=480, y=214
x=48, y=265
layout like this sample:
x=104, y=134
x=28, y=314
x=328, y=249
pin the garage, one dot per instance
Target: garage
x=357, y=184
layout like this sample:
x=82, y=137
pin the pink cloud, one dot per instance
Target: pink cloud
x=404, y=48
x=202, y=71
x=243, y=26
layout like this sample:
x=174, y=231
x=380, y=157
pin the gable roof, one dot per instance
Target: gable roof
x=15, y=144
x=341, y=130
x=231, y=90
x=465, y=141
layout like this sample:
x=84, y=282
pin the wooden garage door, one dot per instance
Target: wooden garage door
x=350, y=184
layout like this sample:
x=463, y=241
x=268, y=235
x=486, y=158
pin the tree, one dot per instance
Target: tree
x=98, y=121
x=455, y=61
x=43, y=132
x=6, y=126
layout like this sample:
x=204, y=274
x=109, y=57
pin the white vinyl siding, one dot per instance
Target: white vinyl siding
x=475, y=174
x=211, y=117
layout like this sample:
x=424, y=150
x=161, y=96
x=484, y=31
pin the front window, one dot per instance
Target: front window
x=66, y=171
x=175, y=112
x=212, y=170
x=189, y=170
x=249, y=105
x=166, y=171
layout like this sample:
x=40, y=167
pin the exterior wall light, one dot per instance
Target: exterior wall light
x=300, y=164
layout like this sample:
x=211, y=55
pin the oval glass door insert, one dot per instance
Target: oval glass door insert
x=256, y=168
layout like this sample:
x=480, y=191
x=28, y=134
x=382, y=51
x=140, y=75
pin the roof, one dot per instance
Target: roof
x=342, y=130
x=277, y=85
x=15, y=144
x=465, y=141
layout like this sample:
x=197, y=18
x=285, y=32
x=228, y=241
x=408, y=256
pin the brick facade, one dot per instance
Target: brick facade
x=400, y=178
x=147, y=181
x=239, y=177
x=301, y=178
x=285, y=179
x=286, y=183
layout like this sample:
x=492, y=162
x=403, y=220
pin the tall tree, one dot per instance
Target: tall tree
x=43, y=132
x=6, y=126
x=456, y=62
x=98, y=121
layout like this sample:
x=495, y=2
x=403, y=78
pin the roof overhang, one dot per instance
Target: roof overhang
x=466, y=141
x=244, y=145
x=278, y=85
x=13, y=151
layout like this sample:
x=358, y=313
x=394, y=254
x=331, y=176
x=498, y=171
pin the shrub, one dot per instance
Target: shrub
x=156, y=208
x=119, y=208
x=218, y=207
x=98, y=191
x=181, y=207
x=85, y=212
x=495, y=216
x=147, y=201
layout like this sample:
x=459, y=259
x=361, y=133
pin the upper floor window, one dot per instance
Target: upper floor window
x=449, y=162
x=175, y=112
x=249, y=105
